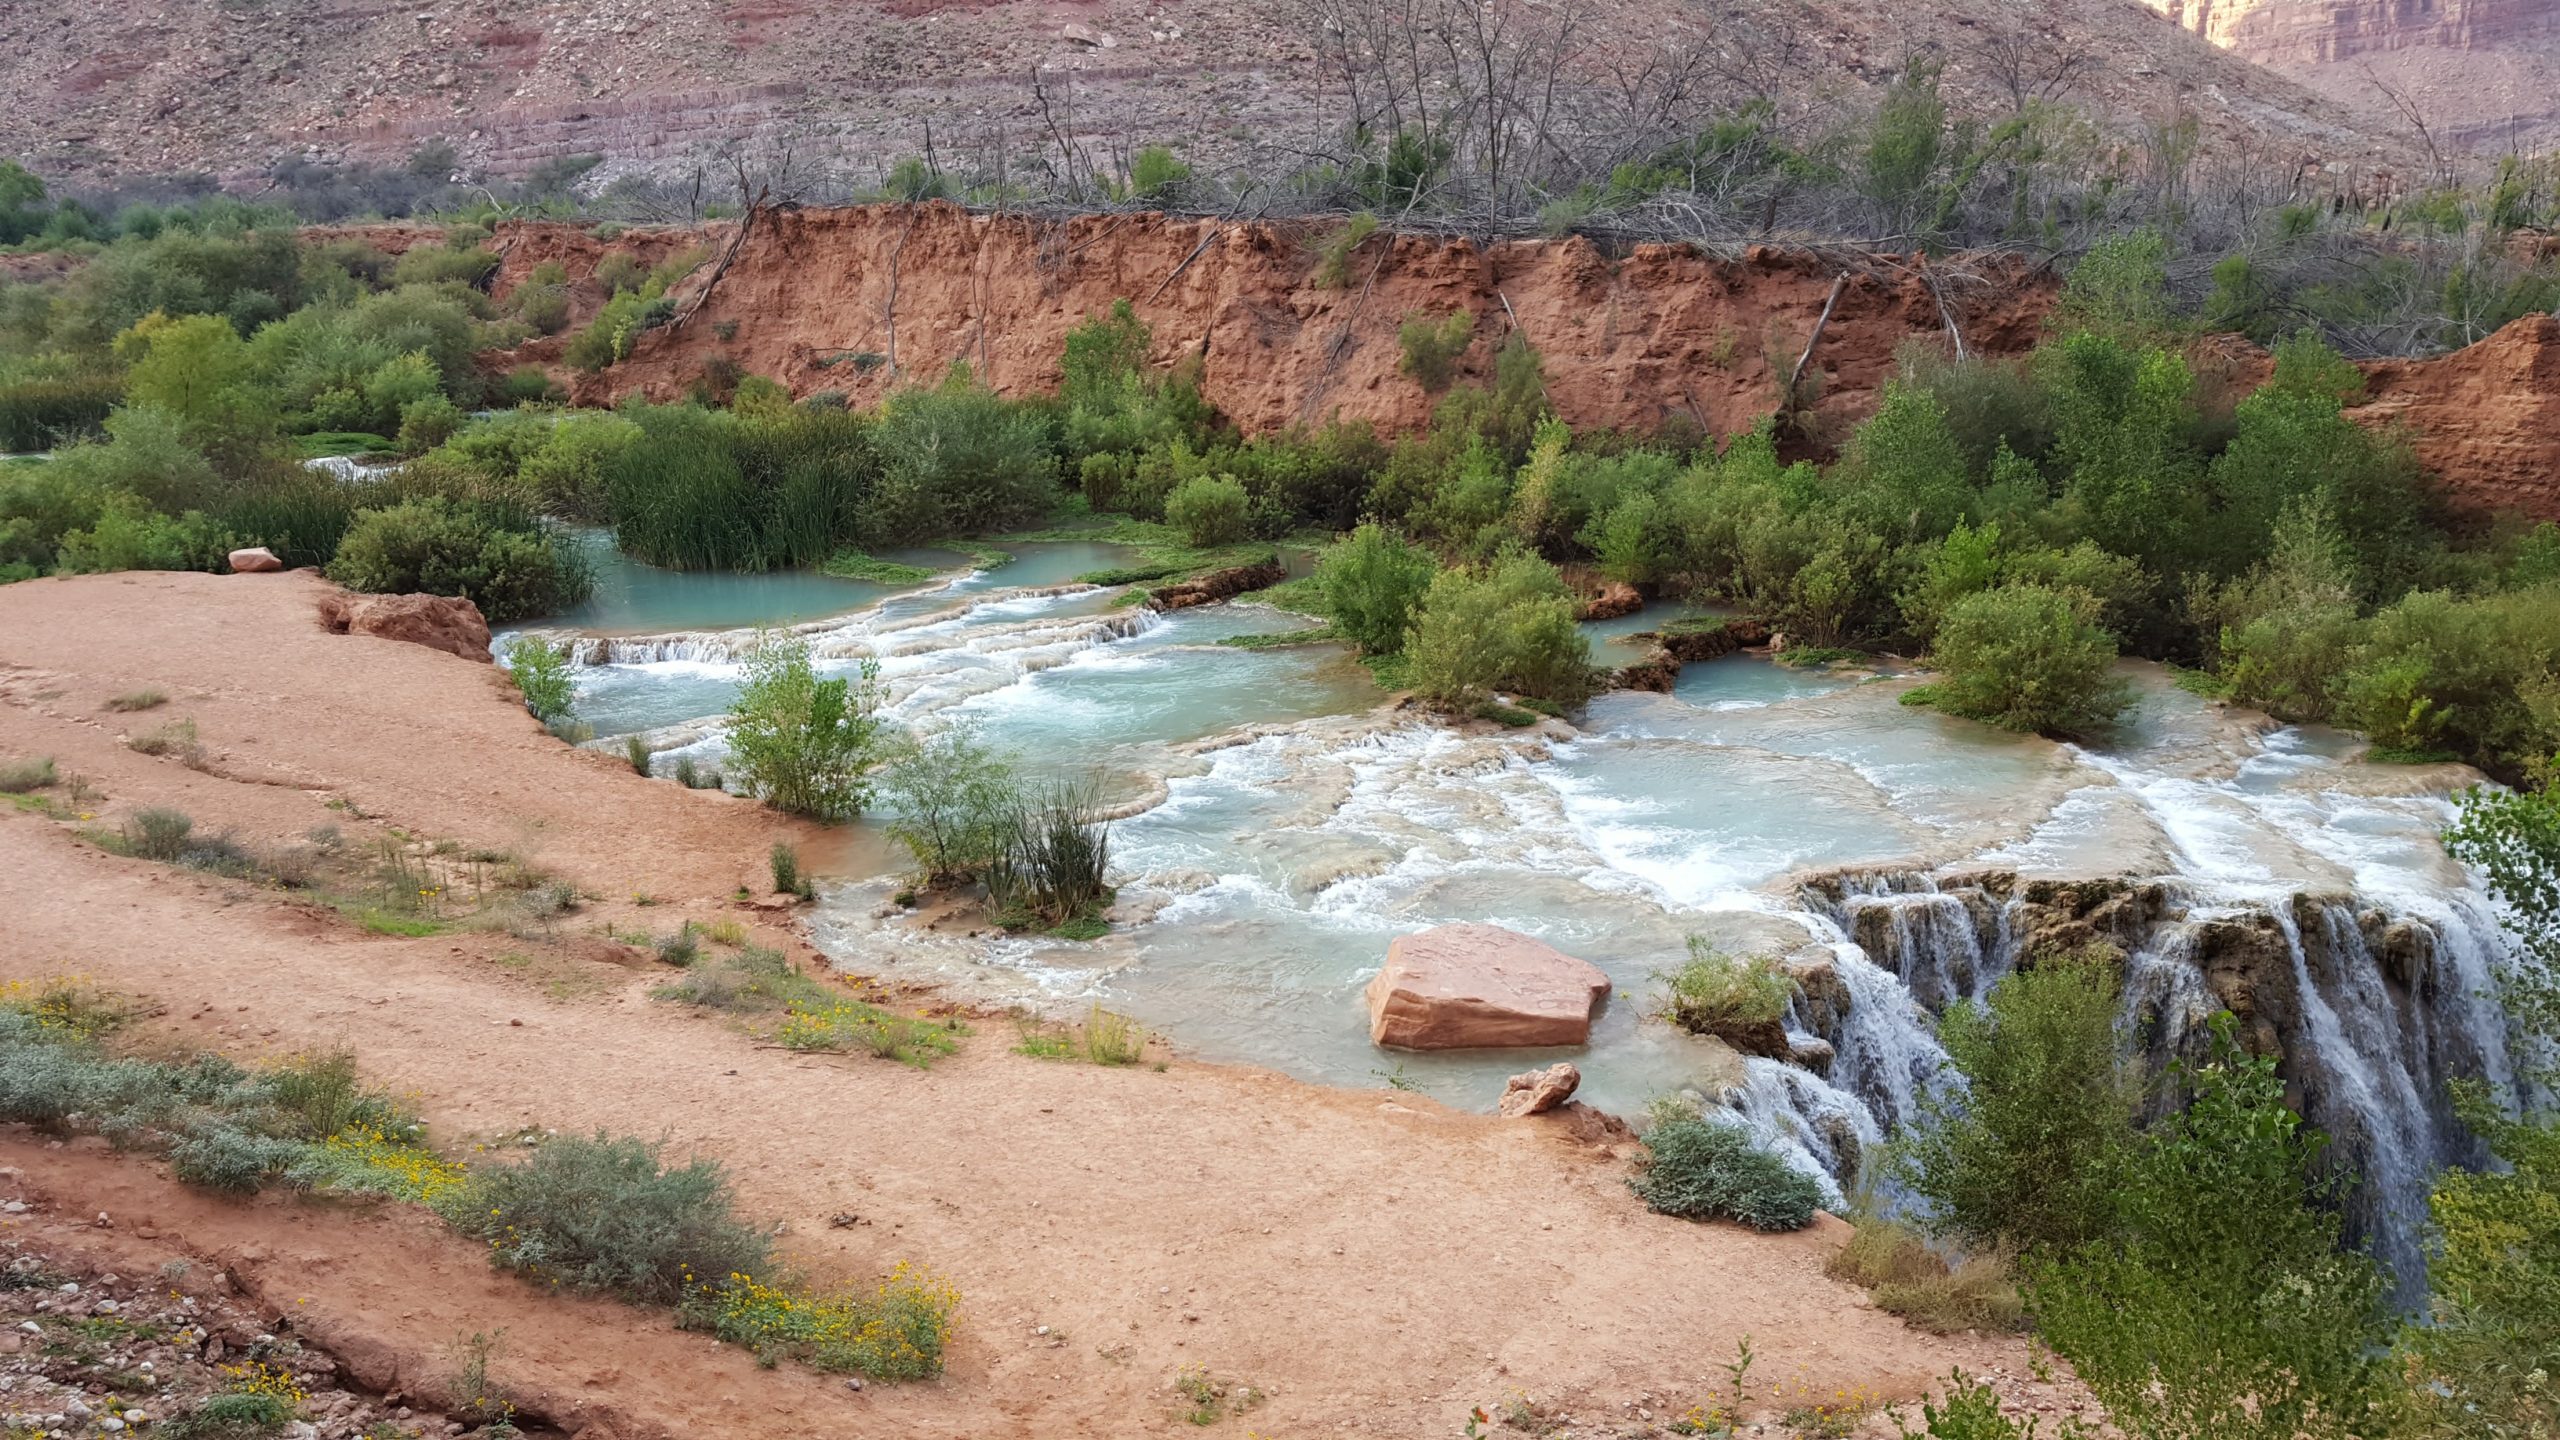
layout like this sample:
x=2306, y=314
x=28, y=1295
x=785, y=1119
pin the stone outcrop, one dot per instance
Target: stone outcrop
x=1217, y=585
x=1475, y=987
x=256, y=560
x=1535, y=1092
x=1615, y=599
x=439, y=622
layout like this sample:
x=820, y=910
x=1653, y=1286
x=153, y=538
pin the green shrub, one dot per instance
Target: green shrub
x=20, y=777
x=1700, y=1169
x=959, y=460
x=235, y=1415
x=1509, y=628
x=500, y=561
x=754, y=981
x=568, y=474
x=948, y=801
x=804, y=744
x=1209, y=510
x=1970, y=1410
x=1432, y=347
x=1333, y=258
x=427, y=423
x=788, y=879
x=1372, y=581
x=1910, y=1280
x=540, y=668
x=2436, y=673
x=2026, y=1157
x=610, y=1214
x=1714, y=993
x=438, y=264
x=2028, y=657
x=127, y=537
x=2219, y=1301
x=1157, y=174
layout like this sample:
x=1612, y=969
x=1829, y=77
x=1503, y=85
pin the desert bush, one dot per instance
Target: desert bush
x=498, y=559
x=804, y=744
x=1210, y=510
x=2434, y=673
x=1909, y=1279
x=610, y=1214
x=842, y=1025
x=137, y=700
x=1970, y=1410
x=1333, y=257
x=569, y=474
x=1700, y=1169
x=1509, y=627
x=20, y=777
x=2027, y=657
x=540, y=668
x=680, y=946
x=1432, y=347
x=754, y=981
x=1372, y=582
x=465, y=264
x=2027, y=1155
x=1714, y=993
x=157, y=833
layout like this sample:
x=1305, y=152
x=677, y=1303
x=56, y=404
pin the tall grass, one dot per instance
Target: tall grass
x=727, y=491
x=1051, y=861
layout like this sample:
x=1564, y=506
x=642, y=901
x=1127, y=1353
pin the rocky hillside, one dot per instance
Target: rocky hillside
x=2481, y=73
x=161, y=86
x=859, y=300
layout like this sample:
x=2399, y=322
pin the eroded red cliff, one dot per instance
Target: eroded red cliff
x=863, y=300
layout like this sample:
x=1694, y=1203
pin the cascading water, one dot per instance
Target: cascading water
x=1899, y=861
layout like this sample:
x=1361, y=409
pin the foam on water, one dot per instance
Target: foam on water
x=1299, y=832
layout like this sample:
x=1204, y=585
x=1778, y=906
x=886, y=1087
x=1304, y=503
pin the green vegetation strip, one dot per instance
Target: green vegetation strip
x=593, y=1214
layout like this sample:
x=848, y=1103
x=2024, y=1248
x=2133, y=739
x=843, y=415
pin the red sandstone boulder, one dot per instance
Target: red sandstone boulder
x=1535, y=1092
x=256, y=560
x=1473, y=987
x=439, y=622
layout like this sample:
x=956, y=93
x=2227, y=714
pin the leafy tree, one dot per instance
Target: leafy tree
x=2491, y=1343
x=2026, y=657
x=1905, y=470
x=2222, y=1303
x=195, y=368
x=803, y=743
x=2027, y=1155
x=1372, y=581
x=948, y=800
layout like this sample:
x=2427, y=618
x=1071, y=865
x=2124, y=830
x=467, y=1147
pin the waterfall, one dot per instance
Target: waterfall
x=2371, y=1010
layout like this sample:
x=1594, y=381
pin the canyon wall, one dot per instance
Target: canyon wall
x=863, y=300
x=2305, y=32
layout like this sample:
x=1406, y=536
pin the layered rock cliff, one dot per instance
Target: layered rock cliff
x=2304, y=32
x=862, y=300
